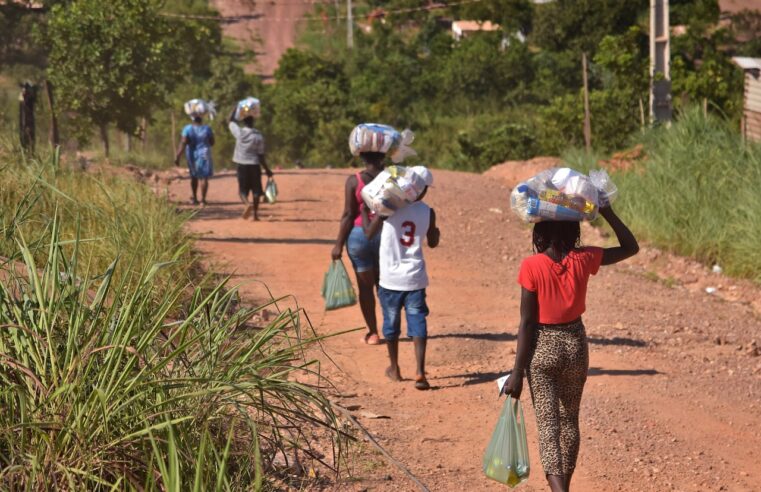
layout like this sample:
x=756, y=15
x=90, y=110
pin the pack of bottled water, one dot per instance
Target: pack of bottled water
x=374, y=137
x=248, y=107
x=562, y=194
x=199, y=107
x=393, y=188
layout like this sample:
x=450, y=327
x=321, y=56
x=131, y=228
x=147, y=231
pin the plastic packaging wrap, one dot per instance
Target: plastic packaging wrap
x=270, y=191
x=248, y=107
x=336, y=287
x=394, y=188
x=506, y=459
x=373, y=137
x=199, y=107
x=562, y=194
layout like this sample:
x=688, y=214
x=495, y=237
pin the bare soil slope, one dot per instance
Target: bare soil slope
x=269, y=27
x=674, y=391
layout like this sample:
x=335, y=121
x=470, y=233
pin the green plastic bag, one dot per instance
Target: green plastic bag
x=270, y=191
x=506, y=458
x=336, y=287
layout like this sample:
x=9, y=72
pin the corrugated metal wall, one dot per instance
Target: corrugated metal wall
x=752, y=110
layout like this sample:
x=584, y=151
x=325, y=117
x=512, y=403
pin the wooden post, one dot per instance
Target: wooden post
x=174, y=134
x=104, y=139
x=660, y=61
x=144, y=134
x=53, y=135
x=587, y=117
x=349, y=25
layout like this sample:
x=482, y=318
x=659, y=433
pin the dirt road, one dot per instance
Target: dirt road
x=673, y=397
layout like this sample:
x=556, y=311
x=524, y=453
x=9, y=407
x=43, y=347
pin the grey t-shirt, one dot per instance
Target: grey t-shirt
x=249, y=144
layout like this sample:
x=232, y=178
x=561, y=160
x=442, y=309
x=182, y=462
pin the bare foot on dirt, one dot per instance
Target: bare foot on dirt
x=247, y=213
x=394, y=374
x=371, y=339
x=421, y=383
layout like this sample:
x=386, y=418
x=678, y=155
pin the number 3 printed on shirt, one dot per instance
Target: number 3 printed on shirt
x=408, y=236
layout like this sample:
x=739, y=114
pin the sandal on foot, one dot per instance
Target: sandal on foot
x=422, y=384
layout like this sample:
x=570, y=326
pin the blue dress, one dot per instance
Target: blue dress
x=198, y=150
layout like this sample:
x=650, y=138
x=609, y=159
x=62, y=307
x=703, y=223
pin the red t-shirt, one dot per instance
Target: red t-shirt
x=561, y=288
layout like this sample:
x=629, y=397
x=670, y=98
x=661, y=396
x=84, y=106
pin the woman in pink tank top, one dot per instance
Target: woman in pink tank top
x=364, y=253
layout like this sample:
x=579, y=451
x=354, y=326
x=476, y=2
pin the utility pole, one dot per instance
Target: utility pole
x=349, y=25
x=587, y=116
x=660, y=62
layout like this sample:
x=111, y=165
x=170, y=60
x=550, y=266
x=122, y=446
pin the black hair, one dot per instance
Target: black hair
x=562, y=236
x=373, y=158
x=198, y=119
x=249, y=121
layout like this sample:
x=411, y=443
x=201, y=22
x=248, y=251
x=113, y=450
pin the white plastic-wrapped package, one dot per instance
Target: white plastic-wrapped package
x=199, y=107
x=374, y=137
x=248, y=107
x=562, y=194
x=394, y=188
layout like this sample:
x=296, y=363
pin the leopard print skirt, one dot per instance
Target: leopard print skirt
x=556, y=376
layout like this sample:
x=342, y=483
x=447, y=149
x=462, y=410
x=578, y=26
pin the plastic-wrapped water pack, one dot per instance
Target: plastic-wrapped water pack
x=562, y=194
x=248, y=107
x=199, y=107
x=374, y=137
x=394, y=188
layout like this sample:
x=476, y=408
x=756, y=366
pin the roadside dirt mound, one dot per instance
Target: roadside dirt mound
x=511, y=173
x=673, y=396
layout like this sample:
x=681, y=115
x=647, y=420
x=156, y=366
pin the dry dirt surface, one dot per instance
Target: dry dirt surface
x=269, y=27
x=673, y=397
x=738, y=5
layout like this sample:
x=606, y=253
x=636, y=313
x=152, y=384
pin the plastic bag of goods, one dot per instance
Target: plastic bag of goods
x=199, y=107
x=374, y=137
x=270, y=191
x=506, y=459
x=562, y=194
x=248, y=107
x=393, y=188
x=337, y=289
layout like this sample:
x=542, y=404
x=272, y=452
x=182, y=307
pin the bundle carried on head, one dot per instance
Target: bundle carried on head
x=395, y=188
x=198, y=108
x=249, y=107
x=562, y=194
x=373, y=137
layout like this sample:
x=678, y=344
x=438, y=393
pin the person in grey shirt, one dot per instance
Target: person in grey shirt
x=249, y=158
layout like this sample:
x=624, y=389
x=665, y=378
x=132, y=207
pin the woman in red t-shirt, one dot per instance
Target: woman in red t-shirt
x=552, y=345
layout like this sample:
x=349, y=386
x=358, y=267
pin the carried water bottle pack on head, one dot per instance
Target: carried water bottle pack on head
x=374, y=137
x=249, y=107
x=200, y=108
x=562, y=194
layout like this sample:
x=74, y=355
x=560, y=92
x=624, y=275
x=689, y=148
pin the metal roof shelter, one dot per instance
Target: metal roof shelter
x=751, y=121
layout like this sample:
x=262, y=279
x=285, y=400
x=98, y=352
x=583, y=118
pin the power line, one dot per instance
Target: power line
x=262, y=17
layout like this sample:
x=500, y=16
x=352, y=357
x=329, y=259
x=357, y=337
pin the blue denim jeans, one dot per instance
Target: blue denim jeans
x=415, y=310
x=363, y=253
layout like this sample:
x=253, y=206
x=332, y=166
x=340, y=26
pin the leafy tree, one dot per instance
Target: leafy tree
x=115, y=62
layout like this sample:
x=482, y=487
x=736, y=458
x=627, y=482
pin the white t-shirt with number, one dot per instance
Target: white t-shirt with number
x=402, y=266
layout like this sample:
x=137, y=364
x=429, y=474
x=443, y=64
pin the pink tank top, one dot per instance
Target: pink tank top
x=360, y=202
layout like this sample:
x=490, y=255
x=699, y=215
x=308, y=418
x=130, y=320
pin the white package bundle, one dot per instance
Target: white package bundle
x=248, y=107
x=392, y=189
x=562, y=194
x=199, y=107
x=374, y=137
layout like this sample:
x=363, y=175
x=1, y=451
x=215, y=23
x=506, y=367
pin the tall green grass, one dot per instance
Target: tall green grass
x=110, y=214
x=117, y=384
x=696, y=193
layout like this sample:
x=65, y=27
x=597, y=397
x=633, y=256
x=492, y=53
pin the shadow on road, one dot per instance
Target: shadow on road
x=265, y=240
x=488, y=377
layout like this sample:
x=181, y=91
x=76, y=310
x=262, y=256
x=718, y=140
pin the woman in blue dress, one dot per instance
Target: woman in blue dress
x=197, y=140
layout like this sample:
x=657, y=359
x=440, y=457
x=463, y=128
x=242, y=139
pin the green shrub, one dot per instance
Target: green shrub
x=101, y=388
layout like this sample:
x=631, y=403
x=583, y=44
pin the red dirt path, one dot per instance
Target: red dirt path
x=674, y=391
